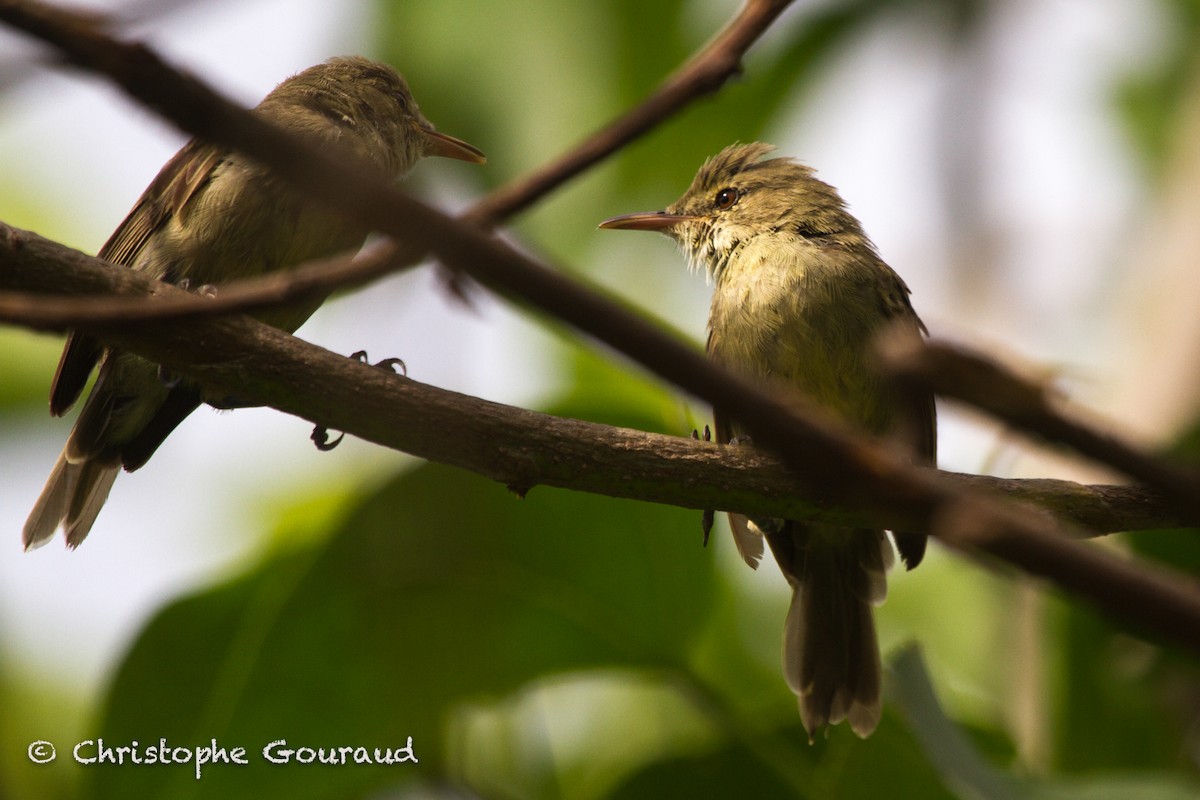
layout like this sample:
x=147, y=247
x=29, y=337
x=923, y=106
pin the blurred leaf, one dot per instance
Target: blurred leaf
x=727, y=772
x=782, y=65
x=27, y=362
x=594, y=728
x=441, y=590
x=1119, y=786
x=947, y=748
x=1113, y=682
x=1125, y=704
x=518, y=79
x=1179, y=549
x=782, y=764
x=601, y=386
x=1149, y=103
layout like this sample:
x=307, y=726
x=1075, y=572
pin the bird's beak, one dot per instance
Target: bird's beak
x=441, y=144
x=646, y=221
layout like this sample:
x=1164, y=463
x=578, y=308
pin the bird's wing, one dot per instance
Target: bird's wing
x=923, y=414
x=168, y=194
x=181, y=401
x=920, y=416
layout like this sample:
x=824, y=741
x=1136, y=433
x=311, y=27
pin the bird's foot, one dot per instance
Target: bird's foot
x=320, y=433
x=387, y=364
x=203, y=290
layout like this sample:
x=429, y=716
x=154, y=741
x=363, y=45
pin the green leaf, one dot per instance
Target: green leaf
x=945, y=746
x=441, y=590
x=780, y=763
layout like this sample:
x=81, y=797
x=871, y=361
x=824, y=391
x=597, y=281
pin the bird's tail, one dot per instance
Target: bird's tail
x=72, y=497
x=830, y=651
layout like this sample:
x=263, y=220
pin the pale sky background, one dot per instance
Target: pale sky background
x=1061, y=192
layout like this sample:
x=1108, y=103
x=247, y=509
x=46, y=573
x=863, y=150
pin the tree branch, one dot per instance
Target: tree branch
x=520, y=448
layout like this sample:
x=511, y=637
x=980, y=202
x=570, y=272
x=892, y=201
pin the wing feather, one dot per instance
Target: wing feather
x=167, y=196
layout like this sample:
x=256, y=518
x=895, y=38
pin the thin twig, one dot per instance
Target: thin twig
x=312, y=279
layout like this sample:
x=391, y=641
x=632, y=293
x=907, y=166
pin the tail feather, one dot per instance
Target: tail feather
x=72, y=497
x=830, y=651
x=748, y=540
x=87, y=498
x=51, y=506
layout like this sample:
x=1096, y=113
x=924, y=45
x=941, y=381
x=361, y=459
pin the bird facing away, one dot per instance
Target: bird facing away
x=799, y=298
x=209, y=217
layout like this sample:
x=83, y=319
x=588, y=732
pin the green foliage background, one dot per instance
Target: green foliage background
x=573, y=646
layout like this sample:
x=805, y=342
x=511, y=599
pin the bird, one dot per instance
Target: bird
x=210, y=216
x=800, y=297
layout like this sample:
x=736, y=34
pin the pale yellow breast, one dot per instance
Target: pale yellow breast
x=799, y=316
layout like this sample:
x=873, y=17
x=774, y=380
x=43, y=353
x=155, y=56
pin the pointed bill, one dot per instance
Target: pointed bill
x=446, y=146
x=646, y=221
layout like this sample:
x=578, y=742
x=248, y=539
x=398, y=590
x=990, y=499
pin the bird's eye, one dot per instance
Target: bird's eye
x=402, y=99
x=725, y=199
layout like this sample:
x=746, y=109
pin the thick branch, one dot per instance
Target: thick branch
x=522, y=449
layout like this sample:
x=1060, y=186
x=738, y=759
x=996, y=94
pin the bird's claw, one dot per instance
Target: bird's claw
x=320, y=434
x=387, y=364
x=203, y=290
x=320, y=437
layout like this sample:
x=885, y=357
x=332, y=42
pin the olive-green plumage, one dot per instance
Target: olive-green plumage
x=799, y=298
x=212, y=216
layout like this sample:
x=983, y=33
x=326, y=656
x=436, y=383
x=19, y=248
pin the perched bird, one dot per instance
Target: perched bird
x=209, y=217
x=799, y=297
